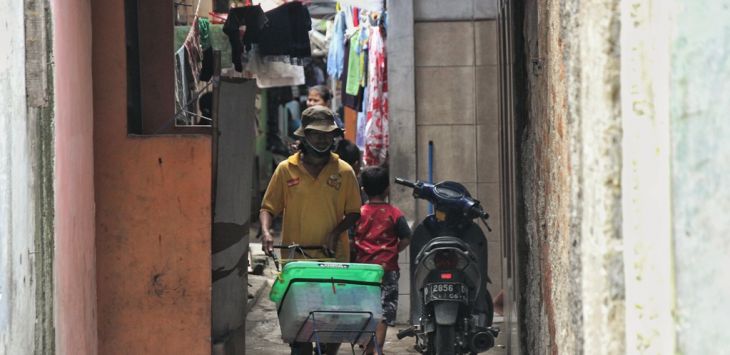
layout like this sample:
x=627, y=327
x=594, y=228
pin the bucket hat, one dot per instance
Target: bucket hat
x=318, y=118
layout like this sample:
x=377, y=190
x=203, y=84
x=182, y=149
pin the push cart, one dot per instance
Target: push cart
x=322, y=301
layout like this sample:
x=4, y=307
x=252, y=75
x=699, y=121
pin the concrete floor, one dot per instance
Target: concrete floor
x=263, y=335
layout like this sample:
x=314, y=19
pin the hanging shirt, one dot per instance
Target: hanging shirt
x=243, y=28
x=336, y=52
x=354, y=102
x=354, y=70
x=286, y=32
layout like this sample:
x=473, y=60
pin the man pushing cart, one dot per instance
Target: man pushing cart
x=319, y=198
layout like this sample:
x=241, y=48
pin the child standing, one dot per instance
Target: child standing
x=381, y=233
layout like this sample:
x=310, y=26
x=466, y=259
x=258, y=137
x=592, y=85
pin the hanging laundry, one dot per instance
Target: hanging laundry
x=352, y=101
x=243, y=28
x=286, y=32
x=354, y=69
x=195, y=52
x=204, y=32
x=376, y=128
x=362, y=118
x=363, y=54
x=336, y=52
x=272, y=73
x=370, y=5
x=349, y=12
x=181, y=79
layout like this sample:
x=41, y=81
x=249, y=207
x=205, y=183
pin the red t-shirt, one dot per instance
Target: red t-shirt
x=380, y=228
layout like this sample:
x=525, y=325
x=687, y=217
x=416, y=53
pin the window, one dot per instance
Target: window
x=151, y=68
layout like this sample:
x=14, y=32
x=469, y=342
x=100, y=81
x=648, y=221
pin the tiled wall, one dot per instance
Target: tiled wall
x=456, y=108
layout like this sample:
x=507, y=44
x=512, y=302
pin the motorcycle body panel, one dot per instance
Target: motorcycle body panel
x=471, y=236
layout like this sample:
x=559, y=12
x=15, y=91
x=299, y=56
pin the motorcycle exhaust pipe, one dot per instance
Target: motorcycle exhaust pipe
x=408, y=332
x=481, y=341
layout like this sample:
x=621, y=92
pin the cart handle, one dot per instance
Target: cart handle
x=301, y=248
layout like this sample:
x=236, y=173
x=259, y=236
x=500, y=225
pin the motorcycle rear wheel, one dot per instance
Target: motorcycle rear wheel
x=443, y=340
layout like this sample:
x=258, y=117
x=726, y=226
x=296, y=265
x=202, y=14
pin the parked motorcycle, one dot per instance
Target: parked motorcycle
x=451, y=308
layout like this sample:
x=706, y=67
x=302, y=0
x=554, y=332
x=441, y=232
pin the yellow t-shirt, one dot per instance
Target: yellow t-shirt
x=313, y=207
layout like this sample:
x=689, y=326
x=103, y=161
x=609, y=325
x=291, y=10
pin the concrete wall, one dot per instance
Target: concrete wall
x=624, y=169
x=18, y=191
x=700, y=163
x=546, y=179
x=153, y=217
x=75, y=251
x=234, y=150
x=571, y=165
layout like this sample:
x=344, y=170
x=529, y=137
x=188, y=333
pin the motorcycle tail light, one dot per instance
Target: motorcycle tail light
x=449, y=259
x=446, y=276
x=446, y=259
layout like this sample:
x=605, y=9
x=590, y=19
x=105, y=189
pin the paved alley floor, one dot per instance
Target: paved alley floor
x=263, y=335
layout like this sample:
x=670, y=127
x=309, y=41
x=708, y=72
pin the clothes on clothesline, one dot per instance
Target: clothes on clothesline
x=243, y=28
x=194, y=49
x=376, y=128
x=336, y=52
x=280, y=32
x=351, y=101
x=370, y=5
x=287, y=31
x=204, y=32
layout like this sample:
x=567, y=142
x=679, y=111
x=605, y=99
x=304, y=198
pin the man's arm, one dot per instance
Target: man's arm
x=345, y=224
x=267, y=245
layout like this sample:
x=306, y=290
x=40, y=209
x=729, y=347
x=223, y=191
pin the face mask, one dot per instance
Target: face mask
x=310, y=149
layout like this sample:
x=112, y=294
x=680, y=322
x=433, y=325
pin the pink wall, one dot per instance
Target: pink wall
x=75, y=254
x=153, y=217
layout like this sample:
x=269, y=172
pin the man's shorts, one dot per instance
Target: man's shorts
x=389, y=296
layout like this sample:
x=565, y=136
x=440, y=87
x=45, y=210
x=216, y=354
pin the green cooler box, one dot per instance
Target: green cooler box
x=331, y=298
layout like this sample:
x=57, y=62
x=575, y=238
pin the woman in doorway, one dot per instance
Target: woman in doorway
x=321, y=95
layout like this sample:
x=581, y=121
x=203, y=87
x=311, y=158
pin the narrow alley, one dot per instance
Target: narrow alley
x=556, y=169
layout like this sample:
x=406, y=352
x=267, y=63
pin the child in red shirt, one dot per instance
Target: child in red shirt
x=381, y=233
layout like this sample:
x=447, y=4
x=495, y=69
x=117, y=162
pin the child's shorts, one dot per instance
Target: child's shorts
x=389, y=296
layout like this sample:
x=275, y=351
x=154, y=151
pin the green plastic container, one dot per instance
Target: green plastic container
x=319, y=271
x=341, y=301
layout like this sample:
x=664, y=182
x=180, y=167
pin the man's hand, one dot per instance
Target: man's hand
x=331, y=245
x=267, y=245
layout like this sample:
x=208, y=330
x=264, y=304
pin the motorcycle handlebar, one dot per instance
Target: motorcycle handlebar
x=405, y=182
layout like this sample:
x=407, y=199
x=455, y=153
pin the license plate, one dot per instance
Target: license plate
x=448, y=291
